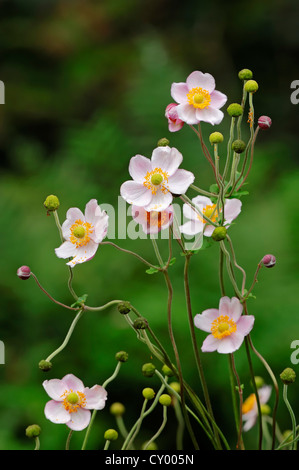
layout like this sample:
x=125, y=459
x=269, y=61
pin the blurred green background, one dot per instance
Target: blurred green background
x=86, y=86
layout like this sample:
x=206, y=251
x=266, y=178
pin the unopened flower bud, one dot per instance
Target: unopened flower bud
x=51, y=203
x=219, y=234
x=122, y=356
x=288, y=376
x=287, y=435
x=151, y=446
x=259, y=381
x=167, y=371
x=33, y=430
x=251, y=86
x=264, y=122
x=163, y=142
x=265, y=409
x=148, y=393
x=117, y=409
x=165, y=399
x=235, y=110
x=45, y=365
x=269, y=261
x=238, y=146
x=216, y=138
x=24, y=272
x=140, y=323
x=111, y=435
x=124, y=308
x=148, y=369
x=245, y=74
x=175, y=386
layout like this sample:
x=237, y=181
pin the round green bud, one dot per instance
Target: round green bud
x=148, y=369
x=259, y=381
x=265, y=409
x=140, y=323
x=51, y=203
x=219, y=234
x=33, y=430
x=110, y=435
x=124, y=308
x=122, y=356
x=245, y=74
x=235, y=110
x=167, y=371
x=151, y=446
x=288, y=376
x=117, y=409
x=148, y=393
x=163, y=142
x=251, y=86
x=165, y=399
x=288, y=435
x=175, y=386
x=238, y=146
x=45, y=365
x=216, y=138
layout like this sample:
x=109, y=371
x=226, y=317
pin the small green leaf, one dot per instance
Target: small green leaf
x=152, y=271
x=172, y=261
x=81, y=301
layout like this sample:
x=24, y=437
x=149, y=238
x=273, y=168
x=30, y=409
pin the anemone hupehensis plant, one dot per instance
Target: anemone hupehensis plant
x=156, y=191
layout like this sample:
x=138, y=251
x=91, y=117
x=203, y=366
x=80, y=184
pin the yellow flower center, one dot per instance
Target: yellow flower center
x=199, y=98
x=249, y=404
x=155, y=179
x=80, y=233
x=73, y=400
x=210, y=212
x=223, y=326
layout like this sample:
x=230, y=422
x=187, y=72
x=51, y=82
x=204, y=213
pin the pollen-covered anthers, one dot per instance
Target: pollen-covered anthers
x=250, y=118
x=223, y=326
x=210, y=212
x=157, y=219
x=73, y=400
x=156, y=179
x=249, y=404
x=199, y=98
x=80, y=233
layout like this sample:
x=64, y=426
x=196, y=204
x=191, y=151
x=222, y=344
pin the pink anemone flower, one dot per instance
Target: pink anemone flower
x=197, y=223
x=156, y=180
x=152, y=222
x=198, y=100
x=226, y=325
x=174, y=123
x=82, y=233
x=72, y=401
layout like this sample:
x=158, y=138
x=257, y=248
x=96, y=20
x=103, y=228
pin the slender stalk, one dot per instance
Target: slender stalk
x=67, y=445
x=240, y=425
x=107, y=444
x=50, y=297
x=131, y=253
x=37, y=443
x=229, y=148
x=67, y=338
x=160, y=428
x=292, y=414
x=202, y=191
x=102, y=307
x=130, y=439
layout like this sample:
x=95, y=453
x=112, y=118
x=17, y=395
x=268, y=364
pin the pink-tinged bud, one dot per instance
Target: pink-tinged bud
x=24, y=272
x=269, y=261
x=174, y=123
x=264, y=122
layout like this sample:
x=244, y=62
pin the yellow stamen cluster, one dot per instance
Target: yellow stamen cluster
x=210, y=212
x=199, y=98
x=155, y=179
x=73, y=400
x=223, y=326
x=80, y=233
x=249, y=404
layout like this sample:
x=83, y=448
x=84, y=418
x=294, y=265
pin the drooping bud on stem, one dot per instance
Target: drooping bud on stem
x=269, y=261
x=24, y=272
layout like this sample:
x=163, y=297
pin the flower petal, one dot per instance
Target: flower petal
x=91, y=209
x=100, y=228
x=245, y=324
x=224, y=306
x=211, y=115
x=74, y=214
x=79, y=420
x=72, y=382
x=204, y=320
x=208, y=230
x=210, y=344
x=180, y=181
x=232, y=209
x=135, y=193
x=95, y=397
x=166, y=158
x=66, y=250
x=179, y=92
x=55, y=388
x=231, y=343
x=192, y=227
x=84, y=253
x=56, y=413
x=202, y=80
x=138, y=167
x=187, y=113
x=218, y=99
x=236, y=308
x=160, y=201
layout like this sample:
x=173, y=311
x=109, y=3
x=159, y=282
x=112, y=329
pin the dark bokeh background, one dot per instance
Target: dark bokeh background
x=87, y=83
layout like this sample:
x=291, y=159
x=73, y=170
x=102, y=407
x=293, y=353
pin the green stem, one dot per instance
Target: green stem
x=240, y=444
x=131, y=253
x=37, y=443
x=131, y=436
x=50, y=297
x=107, y=444
x=67, y=445
x=292, y=415
x=103, y=307
x=160, y=428
x=229, y=148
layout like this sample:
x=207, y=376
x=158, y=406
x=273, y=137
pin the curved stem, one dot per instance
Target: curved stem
x=292, y=415
x=50, y=297
x=67, y=445
x=160, y=428
x=102, y=307
x=240, y=425
x=131, y=253
x=67, y=338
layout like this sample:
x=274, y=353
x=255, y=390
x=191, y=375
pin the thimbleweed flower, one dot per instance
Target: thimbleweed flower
x=140, y=323
x=216, y=138
x=51, y=203
x=24, y=272
x=269, y=261
x=226, y=325
x=33, y=430
x=198, y=100
x=153, y=221
x=245, y=74
x=174, y=122
x=250, y=408
x=238, y=146
x=122, y=356
x=251, y=86
x=111, y=435
x=148, y=369
x=83, y=233
x=163, y=142
x=235, y=110
x=117, y=409
x=165, y=399
x=155, y=180
x=288, y=376
x=45, y=365
x=71, y=401
x=167, y=371
x=124, y=308
x=148, y=393
x=197, y=223
x=264, y=122
x=219, y=234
